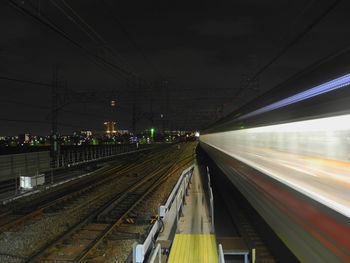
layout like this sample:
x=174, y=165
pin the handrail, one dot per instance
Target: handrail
x=221, y=254
x=140, y=250
x=211, y=200
x=156, y=251
x=164, y=208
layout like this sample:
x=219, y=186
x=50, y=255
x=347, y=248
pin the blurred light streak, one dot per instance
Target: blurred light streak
x=311, y=156
x=318, y=90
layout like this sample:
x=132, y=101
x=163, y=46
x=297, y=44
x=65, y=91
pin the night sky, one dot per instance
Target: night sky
x=187, y=58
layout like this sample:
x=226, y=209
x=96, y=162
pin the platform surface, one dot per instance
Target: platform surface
x=193, y=241
x=196, y=218
x=194, y=248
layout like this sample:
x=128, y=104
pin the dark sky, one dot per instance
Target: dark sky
x=201, y=50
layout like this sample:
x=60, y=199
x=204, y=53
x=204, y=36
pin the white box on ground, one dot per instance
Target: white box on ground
x=28, y=182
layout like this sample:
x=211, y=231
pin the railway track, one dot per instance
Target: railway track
x=79, y=244
x=11, y=187
x=8, y=186
x=106, y=210
x=21, y=213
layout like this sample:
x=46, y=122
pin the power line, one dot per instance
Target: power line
x=98, y=39
x=52, y=26
x=26, y=81
x=30, y=82
x=297, y=38
x=49, y=108
x=123, y=29
x=127, y=74
x=21, y=121
x=284, y=50
x=103, y=42
x=45, y=122
x=73, y=20
x=24, y=104
x=83, y=21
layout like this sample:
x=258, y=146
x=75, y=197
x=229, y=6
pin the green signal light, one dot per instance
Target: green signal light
x=94, y=141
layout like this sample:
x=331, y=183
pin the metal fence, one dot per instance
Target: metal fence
x=77, y=155
x=38, y=165
x=14, y=165
x=175, y=201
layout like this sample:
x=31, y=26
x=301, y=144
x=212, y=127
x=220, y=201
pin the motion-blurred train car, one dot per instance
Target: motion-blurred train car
x=288, y=153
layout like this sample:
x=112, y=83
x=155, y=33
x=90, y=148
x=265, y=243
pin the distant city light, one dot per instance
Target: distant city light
x=110, y=129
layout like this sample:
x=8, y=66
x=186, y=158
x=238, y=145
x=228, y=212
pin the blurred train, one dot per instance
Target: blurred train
x=288, y=153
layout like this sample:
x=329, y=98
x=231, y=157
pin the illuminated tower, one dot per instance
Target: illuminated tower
x=110, y=129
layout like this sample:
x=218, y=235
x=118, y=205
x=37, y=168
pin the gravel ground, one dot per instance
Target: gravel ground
x=25, y=240
x=29, y=238
x=122, y=249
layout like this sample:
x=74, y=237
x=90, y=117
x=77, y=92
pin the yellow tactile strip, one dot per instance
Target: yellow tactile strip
x=193, y=248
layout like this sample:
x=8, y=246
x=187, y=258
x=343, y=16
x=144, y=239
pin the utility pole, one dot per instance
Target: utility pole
x=61, y=96
x=165, y=114
x=152, y=85
x=133, y=83
x=134, y=118
x=54, y=117
x=166, y=88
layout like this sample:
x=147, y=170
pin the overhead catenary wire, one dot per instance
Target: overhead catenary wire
x=297, y=38
x=6, y=74
x=284, y=50
x=110, y=67
x=46, y=122
x=88, y=114
x=26, y=81
x=16, y=102
x=111, y=50
x=127, y=34
x=88, y=30
x=74, y=21
x=118, y=72
x=44, y=84
x=52, y=26
x=84, y=22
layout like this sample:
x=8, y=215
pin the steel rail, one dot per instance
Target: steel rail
x=87, y=220
x=120, y=220
x=38, y=211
